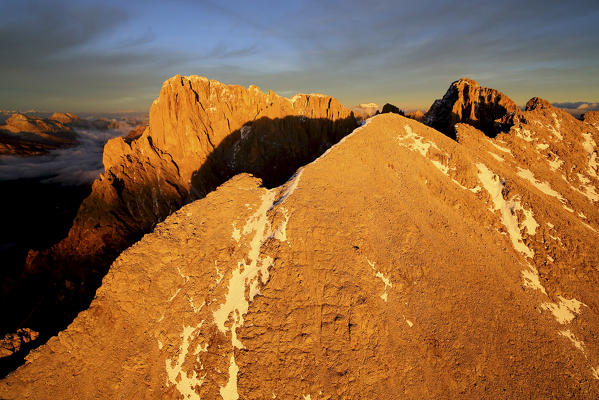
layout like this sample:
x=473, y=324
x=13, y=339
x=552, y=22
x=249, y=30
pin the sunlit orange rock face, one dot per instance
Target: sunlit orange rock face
x=417, y=115
x=468, y=102
x=592, y=117
x=401, y=263
x=201, y=133
x=25, y=136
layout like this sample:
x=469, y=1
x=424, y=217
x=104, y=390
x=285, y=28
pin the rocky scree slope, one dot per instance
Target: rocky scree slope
x=400, y=263
x=201, y=133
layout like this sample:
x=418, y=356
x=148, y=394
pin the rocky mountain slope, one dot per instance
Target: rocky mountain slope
x=579, y=108
x=466, y=101
x=401, y=263
x=28, y=135
x=200, y=134
x=417, y=115
x=24, y=135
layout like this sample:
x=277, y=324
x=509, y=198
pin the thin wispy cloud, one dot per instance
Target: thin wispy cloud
x=75, y=165
x=81, y=55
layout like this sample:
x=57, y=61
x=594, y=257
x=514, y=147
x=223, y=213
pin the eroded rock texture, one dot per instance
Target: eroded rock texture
x=201, y=133
x=466, y=101
x=25, y=136
x=592, y=117
x=399, y=264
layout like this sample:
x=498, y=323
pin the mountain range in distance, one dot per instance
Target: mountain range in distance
x=249, y=245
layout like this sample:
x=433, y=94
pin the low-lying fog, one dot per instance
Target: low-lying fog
x=76, y=165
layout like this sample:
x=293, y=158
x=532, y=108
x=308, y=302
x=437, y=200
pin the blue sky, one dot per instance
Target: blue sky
x=113, y=55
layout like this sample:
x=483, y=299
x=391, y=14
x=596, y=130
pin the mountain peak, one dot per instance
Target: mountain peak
x=537, y=103
x=468, y=102
x=464, y=81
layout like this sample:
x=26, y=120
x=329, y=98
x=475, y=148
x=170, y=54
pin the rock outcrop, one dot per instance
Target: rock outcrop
x=399, y=263
x=201, y=133
x=416, y=115
x=592, y=117
x=390, y=108
x=74, y=121
x=468, y=102
x=12, y=342
x=135, y=133
x=24, y=135
x=65, y=118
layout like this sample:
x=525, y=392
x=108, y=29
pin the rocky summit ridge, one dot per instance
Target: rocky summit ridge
x=467, y=101
x=400, y=263
x=201, y=133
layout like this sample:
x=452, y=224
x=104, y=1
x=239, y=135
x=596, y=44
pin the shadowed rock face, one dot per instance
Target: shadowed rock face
x=399, y=262
x=390, y=108
x=201, y=133
x=466, y=101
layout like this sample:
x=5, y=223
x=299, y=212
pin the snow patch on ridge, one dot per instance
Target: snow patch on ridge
x=555, y=129
x=418, y=142
x=564, y=310
x=383, y=278
x=498, y=147
x=236, y=234
x=246, y=275
x=281, y=232
x=494, y=186
x=555, y=164
x=542, y=186
x=250, y=276
x=185, y=383
x=422, y=146
x=542, y=146
x=589, y=147
x=229, y=391
x=507, y=208
x=524, y=134
x=530, y=277
x=579, y=344
x=495, y=156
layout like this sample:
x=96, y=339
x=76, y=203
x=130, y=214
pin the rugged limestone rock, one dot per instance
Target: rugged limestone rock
x=74, y=121
x=417, y=115
x=135, y=133
x=201, y=133
x=390, y=108
x=592, y=117
x=65, y=118
x=45, y=129
x=23, y=135
x=12, y=342
x=400, y=263
x=466, y=101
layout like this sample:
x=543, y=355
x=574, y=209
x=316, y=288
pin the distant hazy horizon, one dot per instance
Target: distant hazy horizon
x=91, y=56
